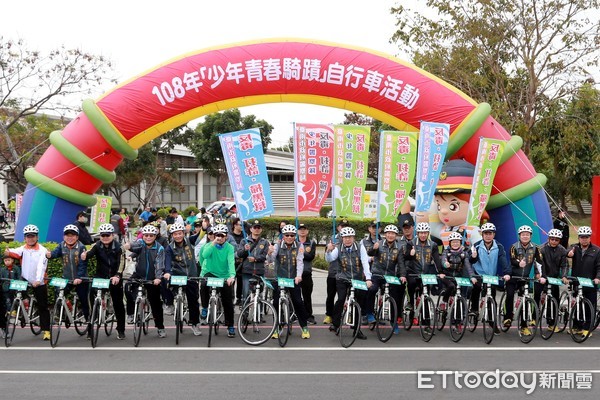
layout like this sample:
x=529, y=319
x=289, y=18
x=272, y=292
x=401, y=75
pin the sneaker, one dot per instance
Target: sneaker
x=121, y=335
x=89, y=335
x=525, y=332
x=507, y=323
x=162, y=333
x=363, y=320
x=332, y=328
x=573, y=331
x=396, y=329
x=556, y=329
x=46, y=335
x=443, y=306
x=496, y=331
x=275, y=335
x=169, y=310
x=13, y=314
x=400, y=320
x=415, y=321
x=196, y=330
x=231, y=332
x=427, y=330
x=327, y=320
x=130, y=319
x=370, y=318
x=3, y=333
x=586, y=333
x=311, y=320
x=305, y=333
x=361, y=336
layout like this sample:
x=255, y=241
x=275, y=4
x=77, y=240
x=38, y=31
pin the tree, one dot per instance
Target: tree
x=288, y=147
x=518, y=56
x=205, y=145
x=33, y=82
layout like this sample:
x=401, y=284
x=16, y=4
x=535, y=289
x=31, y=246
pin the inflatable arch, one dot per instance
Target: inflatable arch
x=85, y=154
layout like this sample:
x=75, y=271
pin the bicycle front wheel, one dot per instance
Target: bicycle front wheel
x=502, y=313
x=178, y=319
x=548, y=317
x=147, y=316
x=386, y=319
x=442, y=315
x=211, y=317
x=349, y=324
x=408, y=315
x=12, y=321
x=472, y=318
x=109, y=316
x=489, y=320
x=56, y=321
x=527, y=317
x=34, y=317
x=95, y=321
x=138, y=323
x=564, y=302
x=458, y=319
x=580, y=322
x=427, y=318
x=78, y=317
x=251, y=329
x=283, y=328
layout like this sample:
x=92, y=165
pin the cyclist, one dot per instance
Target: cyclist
x=180, y=256
x=524, y=256
x=489, y=258
x=218, y=260
x=237, y=234
x=554, y=263
x=421, y=256
x=9, y=270
x=150, y=266
x=353, y=264
x=253, y=252
x=74, y=267
x=455, y=263
x=288, y=256
x=109, y=265
x=388, y=259
x=310, y=250
x=332, y=270
x=585, y=263
x=33, y=269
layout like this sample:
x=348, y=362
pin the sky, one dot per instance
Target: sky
x=138, y=35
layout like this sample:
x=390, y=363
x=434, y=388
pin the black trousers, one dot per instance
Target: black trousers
x=331, y=292
x=342, y=288
x=307, y=289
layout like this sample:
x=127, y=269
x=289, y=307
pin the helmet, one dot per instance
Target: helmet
x=423, y=227
x=455, y=236
x=71, y=228
x=488, y=227
x=391, y=228
x=30, y=229
x=149, y=230
x=347, y=231
x=555, y=233
x=584, y=231
x=106, y=228
x=220, y=229
x=288, y=229
x=176, y=227
x=524, y=228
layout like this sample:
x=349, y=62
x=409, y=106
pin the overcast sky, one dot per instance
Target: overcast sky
x=138, y=35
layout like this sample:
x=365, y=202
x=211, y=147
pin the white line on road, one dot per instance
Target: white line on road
x=311, y=372
x=249, y=348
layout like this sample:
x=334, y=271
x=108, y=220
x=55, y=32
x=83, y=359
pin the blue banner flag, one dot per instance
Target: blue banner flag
x=433, y=143
x=247, y=171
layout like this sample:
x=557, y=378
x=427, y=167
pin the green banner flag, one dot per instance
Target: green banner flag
x=397, y=166
x=351, y=166
x=100, y=212
x=488, y=161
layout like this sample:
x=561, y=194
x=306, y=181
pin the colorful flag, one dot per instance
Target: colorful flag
x=100, y=212
x=313, y=155
x=488, y=161
x=433, y=143
x=397, y=159
x=351, y=166
x=247, y=171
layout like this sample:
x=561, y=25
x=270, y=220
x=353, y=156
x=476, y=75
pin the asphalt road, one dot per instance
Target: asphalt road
x=315, y=368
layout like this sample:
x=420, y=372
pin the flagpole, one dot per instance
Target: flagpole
x=295, y=144
x=333, y=178
x=379, y=181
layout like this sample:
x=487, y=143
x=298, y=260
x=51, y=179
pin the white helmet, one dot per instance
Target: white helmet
x=488, y=227
x=423, y=227
x=455, y=236
x=555, y=233
x=176, y=227
x=288, y=229
x=106, y=228
x=347, y=231
x=71, y=228
x=391, y=228
x=149, y=230
x=524, y=228
x=30, y=229
x=584, y=231
x=220, y=229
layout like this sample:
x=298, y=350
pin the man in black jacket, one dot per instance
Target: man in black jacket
x=81, y=224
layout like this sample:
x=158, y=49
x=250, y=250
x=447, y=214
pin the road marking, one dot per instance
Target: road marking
x=311, y=372
x=250, y=348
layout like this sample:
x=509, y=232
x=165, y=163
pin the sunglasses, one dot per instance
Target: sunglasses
x=290, y=235
x=220, y=235
x=106, y=235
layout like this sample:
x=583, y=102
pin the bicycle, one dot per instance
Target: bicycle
x=487, y=310
x=579, y=309
x=549, y=310
x=458, y=311
x=527, y=314
x=426, y=311
x=215, y=306
x=20, y=313
x=285, y=313
x=103, y=312
x=257, y=314
x=350, y=321
x=181, y=312
x=386, y=312
x=141, y=313
x=61, y=314
x=4, y=225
